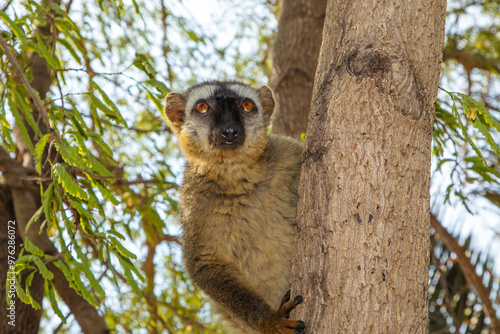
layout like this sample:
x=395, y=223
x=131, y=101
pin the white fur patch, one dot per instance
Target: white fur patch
x=202, y=92
x=205, y=91
x=245, y=91
x=248, y=92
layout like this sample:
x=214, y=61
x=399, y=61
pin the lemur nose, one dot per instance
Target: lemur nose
x=228, y=134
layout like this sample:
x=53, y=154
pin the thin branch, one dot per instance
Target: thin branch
x=68, y=6
x=444, y=287
x=93, y=73
x=469, y=271
x=34, y=96
x=6, y=5
x=171, y=238
x=65, y=95
x=61, y=253
x=124, y=182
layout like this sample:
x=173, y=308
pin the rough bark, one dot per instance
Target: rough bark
x=295, y=57
x=362, y=245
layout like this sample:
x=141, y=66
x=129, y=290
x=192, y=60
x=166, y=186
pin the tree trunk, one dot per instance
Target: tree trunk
x=295, y=57
x=362, y=239
x=20, y=318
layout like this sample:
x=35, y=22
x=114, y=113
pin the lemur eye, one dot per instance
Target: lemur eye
x=247, y=106
x=201, y=107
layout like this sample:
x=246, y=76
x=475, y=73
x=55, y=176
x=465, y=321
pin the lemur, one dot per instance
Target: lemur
x=238, y=203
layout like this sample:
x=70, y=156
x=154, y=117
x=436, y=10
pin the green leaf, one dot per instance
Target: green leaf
x=81, y=143
x=67, y=182
x=122, y=250
x=28, y=281
x=20, y=292
x=107, y=111
x=160, y=86
x=22, y=128
x=95, y=117
x=53, y=302
x=136, y=7
x=39, y=148
x=96, y=166
x=48, y=196
x=70, y=226
x=79, y=207
x=87, y=227
x=482, y=110
x=70, y=48
x=66, y=272
x=127, y=271
x=84, y=266
x=7, y=138
x=44, y=52
x=117, y=234
x=80, y=128
x=487, y=135
x=110, y=103
x=101, y=143
x=79, y=117
x=464, y=129
x=441, y=162
x=64, y=23
x=82, y=289
x=20, y=102
x=106, y=193
x=156, y=101
x=59, y=11
x=67, y=28
x=30, y=247
x=46, y=273
x=69, y=155
x=23, y=259
x=34, y=218
x=15, y=28
x=142, y=63
x=93, y=201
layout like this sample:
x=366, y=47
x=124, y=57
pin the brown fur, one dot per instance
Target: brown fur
x=174, y=109
x=238, y=210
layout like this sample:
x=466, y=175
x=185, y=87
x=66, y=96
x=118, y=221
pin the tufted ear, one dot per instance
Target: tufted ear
x=175, y=106
x=267, y=100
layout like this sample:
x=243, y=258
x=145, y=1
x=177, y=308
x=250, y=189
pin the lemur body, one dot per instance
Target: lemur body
x=238, y=203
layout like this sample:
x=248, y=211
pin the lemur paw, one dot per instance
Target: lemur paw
x=284, y=325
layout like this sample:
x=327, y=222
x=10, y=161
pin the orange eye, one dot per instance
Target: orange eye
x=247, y=105
x=201, y=107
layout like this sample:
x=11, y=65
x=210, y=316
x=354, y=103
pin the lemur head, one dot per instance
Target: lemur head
x=220, y=118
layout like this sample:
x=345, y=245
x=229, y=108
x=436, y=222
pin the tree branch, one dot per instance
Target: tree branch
x=33, y=95
x=470, y=60
x=444, y=287
x=469, y=271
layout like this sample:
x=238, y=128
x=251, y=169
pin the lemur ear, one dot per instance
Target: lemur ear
x=175, y=106
x=267, y=101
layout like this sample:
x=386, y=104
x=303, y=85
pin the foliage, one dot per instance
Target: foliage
x=453, y=302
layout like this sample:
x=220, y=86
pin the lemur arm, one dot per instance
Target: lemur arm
x=224, y=284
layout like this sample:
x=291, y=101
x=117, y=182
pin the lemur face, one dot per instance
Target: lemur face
x=220, y=115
